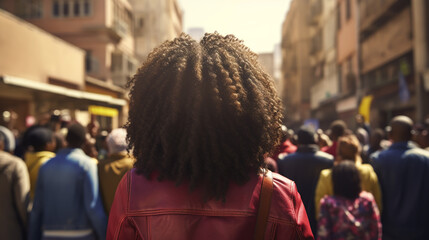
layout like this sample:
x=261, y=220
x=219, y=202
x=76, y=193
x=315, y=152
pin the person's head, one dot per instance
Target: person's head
x=117, y=141
x=337, y=129
x=202, y=111
x=349, y=148
x=362, y=136
x=376, y=136
x=41, y=139
x=401, y=129
x=76, y=136
x=346, y=180
x=360, y=120
x=8, y=139
x=306, y=136
x=93, y=128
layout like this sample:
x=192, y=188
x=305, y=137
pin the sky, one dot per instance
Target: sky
x=256, y=22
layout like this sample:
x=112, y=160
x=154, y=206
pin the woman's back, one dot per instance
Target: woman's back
x=151, y=209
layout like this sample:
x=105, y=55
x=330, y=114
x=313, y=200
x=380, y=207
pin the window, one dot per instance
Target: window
x=348, y=10
x=116, y=62
x=30, y=8
x=71, y=8
x=76, y=8
x=87, y=7
x=88, y=61
x=56, y=9
x=66, y=9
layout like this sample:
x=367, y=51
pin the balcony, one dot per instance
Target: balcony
x=374, y=13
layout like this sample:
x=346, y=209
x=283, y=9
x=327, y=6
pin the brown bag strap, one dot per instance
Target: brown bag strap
x=264, y=204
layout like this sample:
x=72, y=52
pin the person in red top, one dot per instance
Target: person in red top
x=286, y=146
x=202, y=117
x=337, y=129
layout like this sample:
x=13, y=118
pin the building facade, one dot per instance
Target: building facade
x=347, y=60
x=361, y=51
x=155, y=22
x=325, y=88
x=103, y=29
x=296, y=68
x=387, y=58
x=44, y=74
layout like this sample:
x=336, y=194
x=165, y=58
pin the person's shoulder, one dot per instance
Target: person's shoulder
x=282, y=182
x=12, y=160
x=365, y=167
x=324, y=155
x=418, y=152
x=325, y=173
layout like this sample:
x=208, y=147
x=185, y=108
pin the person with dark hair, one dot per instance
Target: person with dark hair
x=375, y=143
x=337, y=129
x=403, y=170
x=202, y=117
x=348, y=149
x=304, y=166
x=14, y=193
x=42, y=143
x=67, y=204
x=349, y=213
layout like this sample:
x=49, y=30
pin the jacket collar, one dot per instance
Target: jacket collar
x=403, y=145
x=310, y=148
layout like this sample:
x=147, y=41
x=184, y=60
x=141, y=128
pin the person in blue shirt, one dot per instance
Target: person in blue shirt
x=67, y=203
x=403, y=173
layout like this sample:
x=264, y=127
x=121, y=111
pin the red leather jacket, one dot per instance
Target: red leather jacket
x=149, y=209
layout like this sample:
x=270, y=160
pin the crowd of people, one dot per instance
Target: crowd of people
x=363, y=184
x=59, y=182
x=204, y=124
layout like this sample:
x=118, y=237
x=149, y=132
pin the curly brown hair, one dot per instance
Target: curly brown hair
x=202, y=112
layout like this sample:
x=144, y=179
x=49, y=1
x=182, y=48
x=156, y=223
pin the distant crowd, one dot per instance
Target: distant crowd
x=362, y=184
x=64, y=162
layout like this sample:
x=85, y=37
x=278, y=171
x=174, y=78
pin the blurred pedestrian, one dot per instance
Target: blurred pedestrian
x=202, y=116
x=112, y=169
x=67, y=203
x=304, y=166
x=377, y=136
x=403, y=170
x=349, y=213
x=337, y=129
x=14, y=193
x=349, y=149
x=8, y=139
x=322, y=139
x=42, y=144
x=286, y=146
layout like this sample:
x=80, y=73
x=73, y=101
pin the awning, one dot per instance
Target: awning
x=25, y=83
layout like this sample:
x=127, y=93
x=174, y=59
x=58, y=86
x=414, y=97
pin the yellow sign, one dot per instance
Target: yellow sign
x=365, y=107
x=103, y=111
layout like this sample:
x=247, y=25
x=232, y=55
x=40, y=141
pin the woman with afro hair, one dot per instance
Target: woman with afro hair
x=202, y=115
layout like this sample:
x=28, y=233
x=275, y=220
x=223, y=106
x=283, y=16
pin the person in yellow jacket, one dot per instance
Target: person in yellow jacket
x=349, y=149
x=112, y=169
x=42, y=143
